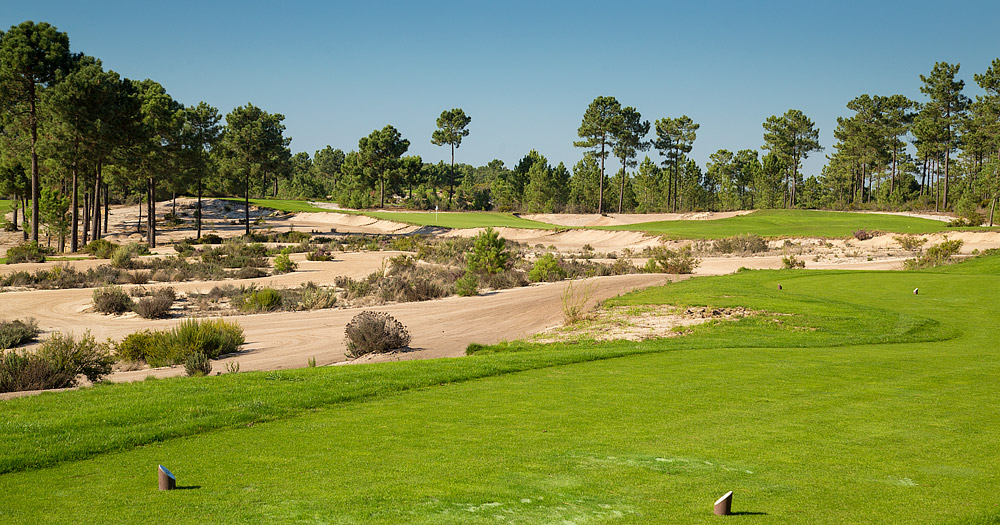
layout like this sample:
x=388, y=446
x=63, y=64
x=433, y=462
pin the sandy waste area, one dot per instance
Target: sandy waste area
x=439, y=328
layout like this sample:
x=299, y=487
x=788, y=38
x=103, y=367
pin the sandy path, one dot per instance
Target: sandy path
x=441, y=328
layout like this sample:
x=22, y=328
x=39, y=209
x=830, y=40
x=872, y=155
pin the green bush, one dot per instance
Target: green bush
x=937, y=255
x=284, y=264
x=314, y=297
x=17, y=332
x=665, y=260
x=791, y=262
x=136, y=345
x=546, y=268
x=29, y=252
x=467, y=285
x=112, y=300
x=489, y=253
x=197, y=364
x=211, y=337
x=210, y=238
x=100, y=248
x=20, y=371
x=85, y=357
x=122, y=256
x=374, y=332
x=260, y=300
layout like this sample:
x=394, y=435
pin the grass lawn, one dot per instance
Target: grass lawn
x=470, y=219
x=6, y=205
x=788, y=223
x=474, y=219
x=868, y=404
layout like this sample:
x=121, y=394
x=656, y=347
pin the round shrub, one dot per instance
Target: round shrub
x=374, y=333
x=262, y=300
x=154, y=307
x=136, y=346
x=112, y=300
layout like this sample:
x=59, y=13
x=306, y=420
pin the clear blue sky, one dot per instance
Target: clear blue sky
x=526, y=71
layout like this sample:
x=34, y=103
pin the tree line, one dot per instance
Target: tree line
x=76, y=137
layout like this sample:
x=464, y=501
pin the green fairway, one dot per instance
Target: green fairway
x=471, y=219
x=6, y=205
x=869, y=404
x=787, y=223
x=768, y=223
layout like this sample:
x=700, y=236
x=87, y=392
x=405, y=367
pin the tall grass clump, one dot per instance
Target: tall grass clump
x=574, y=300
x=211, y=337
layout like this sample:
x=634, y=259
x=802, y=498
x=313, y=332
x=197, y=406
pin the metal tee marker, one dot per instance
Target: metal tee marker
x=724, y=504
x=167, y=479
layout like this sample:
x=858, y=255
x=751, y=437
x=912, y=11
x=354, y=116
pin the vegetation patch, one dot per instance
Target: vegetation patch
x=374, y=333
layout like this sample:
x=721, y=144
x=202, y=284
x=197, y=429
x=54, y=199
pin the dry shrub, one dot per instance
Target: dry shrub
x=17, y=332
x=154, y=307
x=743, y=244
x=374, y=333
x=111, y=300
x=665, y=260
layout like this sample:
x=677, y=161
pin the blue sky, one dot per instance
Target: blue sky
x=526, y=71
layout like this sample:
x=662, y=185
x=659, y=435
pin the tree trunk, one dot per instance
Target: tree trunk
x=151, y=212
x=621, y=192
x=86, y=215
x=937, y=187
x=97, y=201
x=451, y=181
x=992, y=208
x=246, y=206
x=197, y=213
x=33, y=124
x=138, y=225
x=381, y=193
x=74, y=242
x=947, y=156
x=107, y=206
x=600, y=185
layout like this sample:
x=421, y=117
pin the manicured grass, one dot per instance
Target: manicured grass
x=787, y=223
x=471, y=219
x=870, y=404
x=6, y=205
